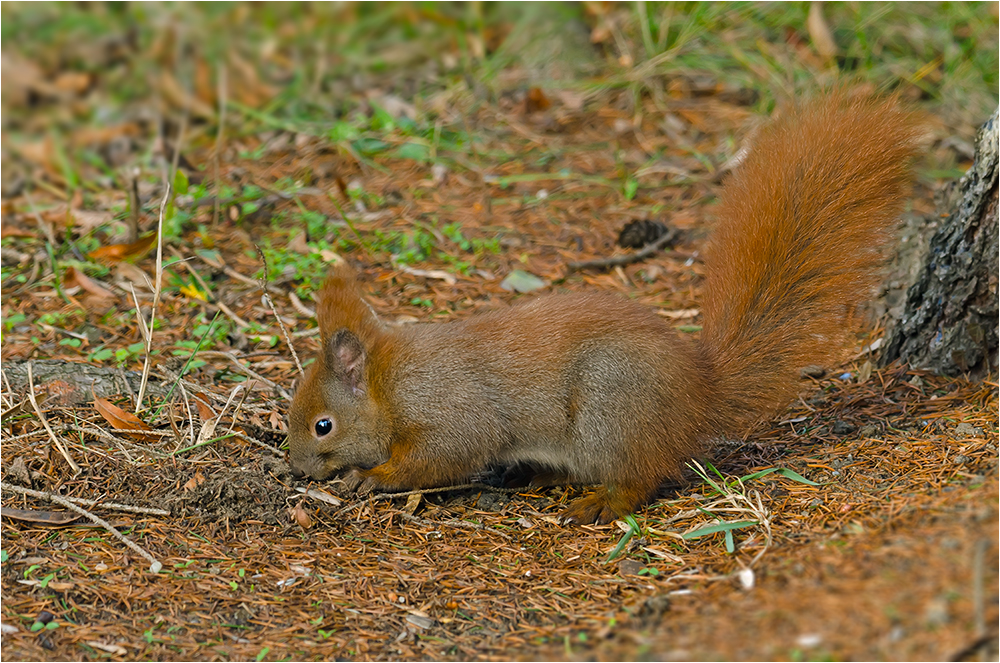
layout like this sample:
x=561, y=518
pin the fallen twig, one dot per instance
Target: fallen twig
x=247, y=438
x=442, y=489
x=267, y=297
x=617, y=261
x=451, y=522
x=249, y=371
x=147, y=330
x=114, y=506
x=154, y=565
x=320, y=495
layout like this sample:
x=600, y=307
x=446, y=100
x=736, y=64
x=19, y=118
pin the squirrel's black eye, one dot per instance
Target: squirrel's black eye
x=323, y=427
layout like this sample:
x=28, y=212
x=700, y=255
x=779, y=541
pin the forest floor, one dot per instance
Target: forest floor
x=873, y=536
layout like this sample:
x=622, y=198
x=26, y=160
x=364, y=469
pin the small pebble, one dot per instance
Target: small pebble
x=867, y=431
x=843, y=428
x=968, y=430
x=809, y=640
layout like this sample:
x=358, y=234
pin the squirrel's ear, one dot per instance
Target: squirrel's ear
x=345, y=357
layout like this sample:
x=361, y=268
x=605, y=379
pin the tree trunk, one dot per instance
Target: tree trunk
x=949, y=323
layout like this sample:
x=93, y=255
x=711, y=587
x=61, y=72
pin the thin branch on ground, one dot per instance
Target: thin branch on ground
x=246, y=438
x=154, y=565
x=267, y=297
x=112, y=506
x=618, y=261
x=240, y=322
x=451, y=522
x=147, y=330
x=244, y=369
x=104, y=435
x=239, y=406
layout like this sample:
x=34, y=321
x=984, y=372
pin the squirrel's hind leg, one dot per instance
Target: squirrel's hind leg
x=607, y=504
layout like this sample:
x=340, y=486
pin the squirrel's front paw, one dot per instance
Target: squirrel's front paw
x=361, y=481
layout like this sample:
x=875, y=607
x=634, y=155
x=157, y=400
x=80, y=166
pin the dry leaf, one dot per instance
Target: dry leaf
x=300, y=516
x=251, y=91
x=129, y=273
x=39, y=152
x=74, y=278
x=180, y=98
x=192, y=291
x=329, y=256
x=420, y=619
x=663, y=554
x=116, y=253
x=17, y=471
x=122, y=420
x=207, y=430
x=102, y=135
x=72, y=82
x=819, y=31
x=86, y=220
x=430, y=274
x=412, y=503
x=572, y=99
x=111, y=649
x=321, y=495
x=60, y=586
x=299, y=245
x=43, y=517
x=205, y=411
x=536, y=101
x=194, y=481
x=21, y=77
x=204, y=87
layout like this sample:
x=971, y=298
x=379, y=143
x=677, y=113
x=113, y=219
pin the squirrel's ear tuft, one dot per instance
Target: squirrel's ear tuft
x=340, y=305
x=345, y=357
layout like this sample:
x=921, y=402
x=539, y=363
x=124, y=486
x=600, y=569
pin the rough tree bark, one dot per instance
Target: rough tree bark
x=949, y=323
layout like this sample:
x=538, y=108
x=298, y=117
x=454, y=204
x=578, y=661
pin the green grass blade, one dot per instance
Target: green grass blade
x=718, y=527
x=632, y=531
x=795, y=476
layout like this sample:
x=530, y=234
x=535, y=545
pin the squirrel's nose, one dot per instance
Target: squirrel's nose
x=296, y=472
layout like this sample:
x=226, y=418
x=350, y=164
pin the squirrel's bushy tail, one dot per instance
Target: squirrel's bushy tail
x=797, y=246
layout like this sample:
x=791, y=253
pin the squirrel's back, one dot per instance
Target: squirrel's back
x=797, y=245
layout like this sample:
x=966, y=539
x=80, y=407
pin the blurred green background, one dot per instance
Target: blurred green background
x=97, y=95
x=306, y=64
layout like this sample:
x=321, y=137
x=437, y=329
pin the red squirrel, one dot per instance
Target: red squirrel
x=599, y=389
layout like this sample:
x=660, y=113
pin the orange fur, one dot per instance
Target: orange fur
x=797, y=244
x=341, y=306
x=596, y=388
